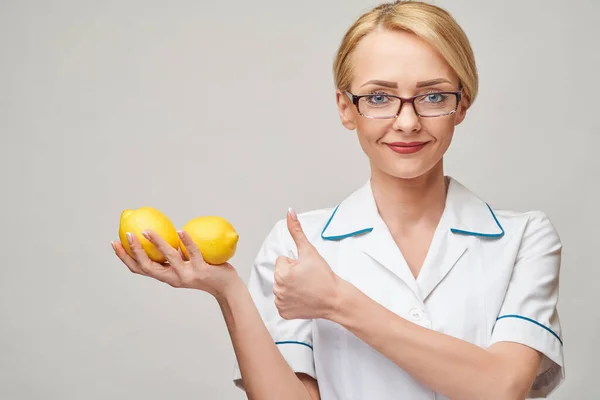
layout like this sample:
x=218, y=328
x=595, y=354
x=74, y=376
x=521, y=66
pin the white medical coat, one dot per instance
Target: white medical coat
x=489, y=276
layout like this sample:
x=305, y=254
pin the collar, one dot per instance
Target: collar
x=464, y=212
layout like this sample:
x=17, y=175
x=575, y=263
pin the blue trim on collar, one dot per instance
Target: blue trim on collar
x=339, y=237
x=489, y=235
x=453, y=230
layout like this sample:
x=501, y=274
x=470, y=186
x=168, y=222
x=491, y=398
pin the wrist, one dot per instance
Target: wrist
x=230, y=289
x=339, y=300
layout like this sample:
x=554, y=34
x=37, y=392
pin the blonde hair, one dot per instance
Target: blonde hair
x=430, y=23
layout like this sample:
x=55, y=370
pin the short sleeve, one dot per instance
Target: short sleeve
x=528, y=314
x=293, y=337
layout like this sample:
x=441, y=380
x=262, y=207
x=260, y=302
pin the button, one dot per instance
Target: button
x=416, y=314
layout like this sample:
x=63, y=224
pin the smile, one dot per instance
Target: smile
x=407, y=148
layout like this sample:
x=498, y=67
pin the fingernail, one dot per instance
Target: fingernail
x=113, y=245
x=180, y=234
x=293, y=214
x=129, y=238
x=146, y=235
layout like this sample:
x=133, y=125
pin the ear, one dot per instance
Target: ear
x=346, y=110
x=461, y=113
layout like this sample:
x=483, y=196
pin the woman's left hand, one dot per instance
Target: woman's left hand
x=305, y=288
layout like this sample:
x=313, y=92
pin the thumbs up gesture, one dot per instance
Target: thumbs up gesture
x=305, y=288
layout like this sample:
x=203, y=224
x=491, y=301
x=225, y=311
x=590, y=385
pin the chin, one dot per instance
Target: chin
x=405, y=171
x=407, y=175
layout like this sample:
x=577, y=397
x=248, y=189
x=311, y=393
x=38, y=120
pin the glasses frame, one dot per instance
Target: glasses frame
x=410, y=100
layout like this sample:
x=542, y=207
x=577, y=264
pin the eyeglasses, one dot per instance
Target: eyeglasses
x=381, y=105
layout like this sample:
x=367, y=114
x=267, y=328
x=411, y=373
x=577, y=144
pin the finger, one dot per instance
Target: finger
x=190, y=246
x=170, y=253
x=139, y=254
x=165, y=273
x=126, y=258
x=276, y=291
x=282, y=261
x=282, y=265
x=295, y=229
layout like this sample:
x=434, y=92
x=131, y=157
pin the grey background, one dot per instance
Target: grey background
x=227, y=108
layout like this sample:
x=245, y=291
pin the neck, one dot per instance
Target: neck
x=405, y=203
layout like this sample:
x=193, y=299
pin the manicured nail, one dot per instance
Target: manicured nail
x=293, y=214
x=180, y=234
x=113, y=245
x=146, y=235
x=129, y=238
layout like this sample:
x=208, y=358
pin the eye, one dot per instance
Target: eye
x=377, y=99
x=434, y=98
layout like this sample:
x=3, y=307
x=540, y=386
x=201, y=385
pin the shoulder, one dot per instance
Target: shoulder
x=529, y=237
x=469, y=214
x=528, y=225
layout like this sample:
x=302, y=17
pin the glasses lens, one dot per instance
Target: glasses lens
x=435, y=104
x=378, y=106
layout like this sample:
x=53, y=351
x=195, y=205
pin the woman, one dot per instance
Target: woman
x=411, y=287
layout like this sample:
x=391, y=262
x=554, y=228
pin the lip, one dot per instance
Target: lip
x=406, y=148
x=404, y=144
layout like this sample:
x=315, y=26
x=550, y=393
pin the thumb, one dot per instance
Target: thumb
x=295, y=229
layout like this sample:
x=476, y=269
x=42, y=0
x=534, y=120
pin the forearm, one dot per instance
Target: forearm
x=266, y=374
x=453, y=367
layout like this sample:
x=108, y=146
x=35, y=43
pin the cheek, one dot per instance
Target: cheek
x=370, y=131
x=369, y=134
x=441, y=131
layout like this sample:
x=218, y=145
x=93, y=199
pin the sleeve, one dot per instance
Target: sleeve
x=528, y=314
x=293, y=337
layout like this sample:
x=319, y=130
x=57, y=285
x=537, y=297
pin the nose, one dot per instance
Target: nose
x=408, y=120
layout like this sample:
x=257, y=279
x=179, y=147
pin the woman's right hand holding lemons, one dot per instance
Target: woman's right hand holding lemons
x=197, y=259
x=194, y=273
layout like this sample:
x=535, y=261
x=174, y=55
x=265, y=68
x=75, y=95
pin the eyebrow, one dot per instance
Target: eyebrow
x=432, y=82
x=394, y=85
x=381, y=83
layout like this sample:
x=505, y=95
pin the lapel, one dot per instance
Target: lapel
x=465, y=215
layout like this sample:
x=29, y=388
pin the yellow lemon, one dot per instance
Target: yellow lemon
x=137, y=221
x=215, y=237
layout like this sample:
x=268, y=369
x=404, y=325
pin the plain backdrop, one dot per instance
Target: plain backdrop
x=227, y=108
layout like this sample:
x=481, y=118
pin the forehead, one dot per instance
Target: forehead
x=397, y=56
